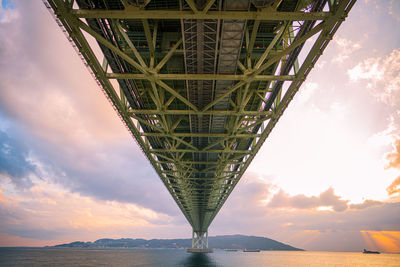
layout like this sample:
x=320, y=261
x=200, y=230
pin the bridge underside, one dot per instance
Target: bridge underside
x=200, y=84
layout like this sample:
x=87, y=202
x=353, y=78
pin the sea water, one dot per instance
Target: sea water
x=177, y=257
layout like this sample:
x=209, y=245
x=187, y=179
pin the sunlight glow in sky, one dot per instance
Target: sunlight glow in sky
x=327, y=178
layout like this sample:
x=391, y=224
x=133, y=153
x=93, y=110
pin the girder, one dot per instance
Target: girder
x=201, y=83
x=137, y=13
x=199, y=77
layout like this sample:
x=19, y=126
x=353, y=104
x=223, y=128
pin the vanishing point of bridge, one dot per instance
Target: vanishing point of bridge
x=199, y=84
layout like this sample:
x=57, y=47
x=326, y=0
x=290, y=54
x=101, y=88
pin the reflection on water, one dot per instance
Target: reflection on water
x=198, y=259
x=75, y=257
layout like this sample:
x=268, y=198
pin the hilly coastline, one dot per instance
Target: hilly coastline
x=217, y=242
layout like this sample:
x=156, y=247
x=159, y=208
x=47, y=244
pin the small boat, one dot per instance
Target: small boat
x=370, y=252
x=251, y=250
x=231, y=249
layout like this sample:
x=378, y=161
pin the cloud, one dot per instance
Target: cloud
x=49, y=212
x=2, y=198
x=394, y=188
x=7, y=11
x=70, y=132
x=309, y=228
x=346, y=48
x=382, y=76
x=393, y=161
x=248, y=200
x=14, y=160
x=318, y=203
x=366, y=204
x=325, y=199
x=114, y=172
x=7, y=4
x=394, y=156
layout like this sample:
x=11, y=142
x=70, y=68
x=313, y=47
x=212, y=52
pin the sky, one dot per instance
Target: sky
x=327, y=178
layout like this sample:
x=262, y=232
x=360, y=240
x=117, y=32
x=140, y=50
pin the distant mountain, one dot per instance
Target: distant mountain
x=222, y=242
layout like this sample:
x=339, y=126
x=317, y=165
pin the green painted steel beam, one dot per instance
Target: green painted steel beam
x=330, y=27
x=70, y=25
x=203, y=162
x=222, y=77
x=249, y=135
x=265, y=15
x=207, y=112
x=199, y=168
x=171, y=150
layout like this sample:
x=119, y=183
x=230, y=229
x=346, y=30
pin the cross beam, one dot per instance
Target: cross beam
x=265, y=15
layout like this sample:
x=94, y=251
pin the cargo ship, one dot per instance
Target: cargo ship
x=370, y=252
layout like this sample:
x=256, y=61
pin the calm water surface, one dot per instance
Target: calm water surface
x=170, y=257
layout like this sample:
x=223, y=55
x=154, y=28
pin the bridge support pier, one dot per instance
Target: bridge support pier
x=199, y=243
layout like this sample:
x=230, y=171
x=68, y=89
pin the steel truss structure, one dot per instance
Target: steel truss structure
x=201, y=83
